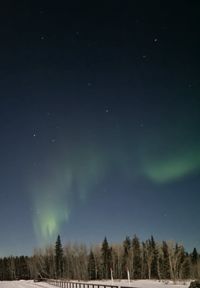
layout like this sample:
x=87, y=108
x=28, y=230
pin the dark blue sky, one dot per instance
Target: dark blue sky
x=99, y=115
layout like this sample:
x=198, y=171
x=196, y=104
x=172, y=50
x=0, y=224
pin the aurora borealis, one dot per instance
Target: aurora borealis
x=100, y=121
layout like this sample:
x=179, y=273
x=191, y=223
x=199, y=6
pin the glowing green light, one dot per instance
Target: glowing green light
x=53, y=195
x=172, y=168
x=48, y=225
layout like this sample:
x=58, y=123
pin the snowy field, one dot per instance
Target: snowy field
x=136, y=283
x=23, y=284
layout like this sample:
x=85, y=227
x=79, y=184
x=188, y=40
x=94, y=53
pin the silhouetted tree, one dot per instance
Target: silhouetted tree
x=165, y=262
x=59, y=257
x=136, y=258
x=106, y=259
x=126, y=260
x=154, y=265
x=91, y=266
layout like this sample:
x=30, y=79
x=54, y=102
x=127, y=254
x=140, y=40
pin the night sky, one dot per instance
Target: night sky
x=99, y=118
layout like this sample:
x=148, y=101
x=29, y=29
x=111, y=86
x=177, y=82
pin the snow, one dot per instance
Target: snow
x=133, y=283
x=23, y=284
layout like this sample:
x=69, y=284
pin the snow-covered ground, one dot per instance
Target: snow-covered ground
x=23, y=284
x=133, y=283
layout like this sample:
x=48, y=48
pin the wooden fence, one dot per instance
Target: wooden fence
x=68, y=284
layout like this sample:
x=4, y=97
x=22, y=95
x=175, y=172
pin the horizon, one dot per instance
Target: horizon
x=99, y=243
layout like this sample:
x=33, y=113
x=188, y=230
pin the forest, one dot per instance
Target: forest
x=131, y=259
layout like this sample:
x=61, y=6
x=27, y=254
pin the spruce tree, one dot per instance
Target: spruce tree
x=194, y=256
x=136, y=258
x=165, y=261
x=154, y=265
x=106, y=259
x=91, y=266
x=59, y=258
x=144, y=268
x=194, y=263
x=126, y=257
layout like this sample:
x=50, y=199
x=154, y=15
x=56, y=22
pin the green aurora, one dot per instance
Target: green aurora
x=74, y=174
x=174, y=167
x=54, y=198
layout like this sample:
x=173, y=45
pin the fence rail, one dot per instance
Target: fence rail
x=68, y=284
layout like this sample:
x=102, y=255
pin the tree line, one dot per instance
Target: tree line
x=131, y=259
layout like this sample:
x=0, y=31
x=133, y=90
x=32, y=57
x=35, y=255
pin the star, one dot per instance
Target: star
x=43, y=37
x=190, y=85
x=140, y=123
